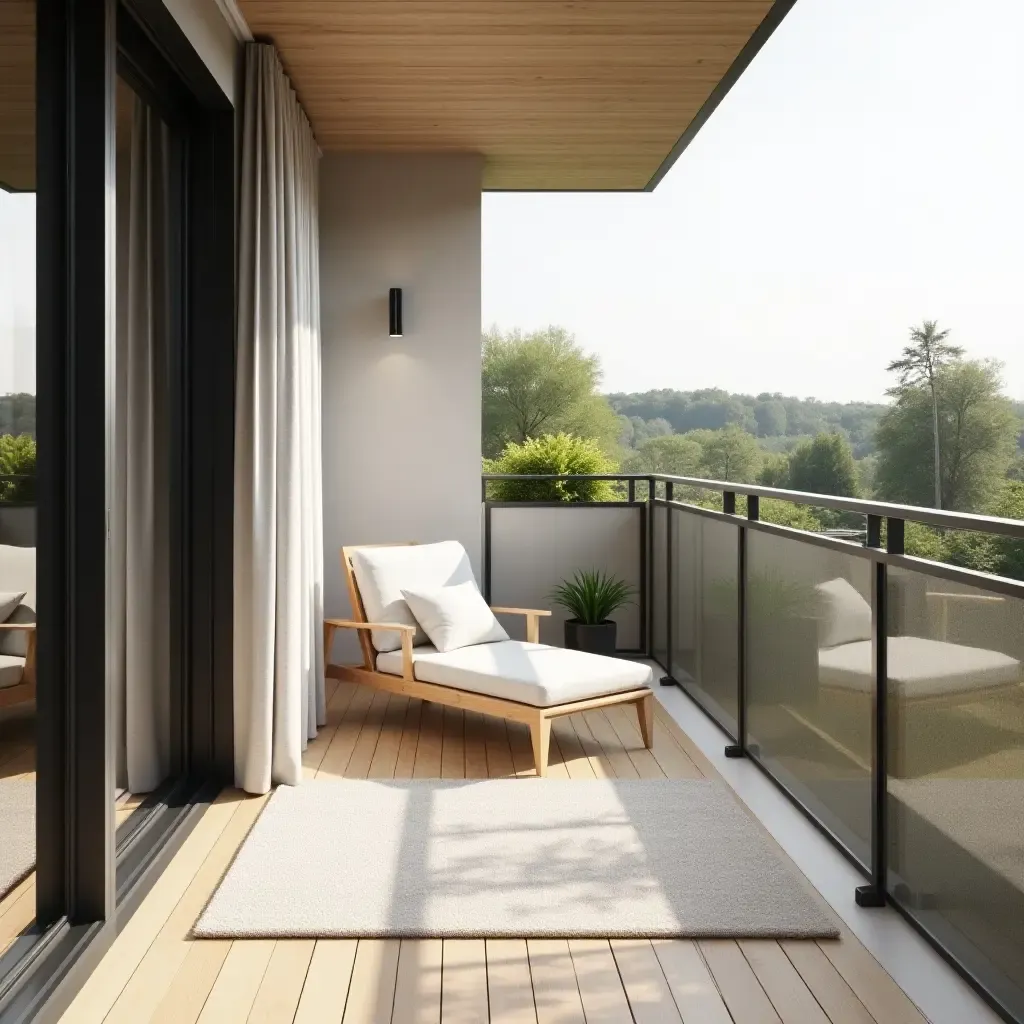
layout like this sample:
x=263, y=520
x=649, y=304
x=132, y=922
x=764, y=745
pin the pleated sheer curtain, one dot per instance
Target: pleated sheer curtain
x=278, y=556
x=140, y=527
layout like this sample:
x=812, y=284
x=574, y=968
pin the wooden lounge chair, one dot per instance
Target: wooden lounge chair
x=522, y=682
x=18, y=633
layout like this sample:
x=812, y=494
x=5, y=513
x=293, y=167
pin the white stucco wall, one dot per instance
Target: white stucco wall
x=401, y=416
x=212, y=38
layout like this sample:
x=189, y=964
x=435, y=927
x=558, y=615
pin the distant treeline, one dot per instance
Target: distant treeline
x=767, y=415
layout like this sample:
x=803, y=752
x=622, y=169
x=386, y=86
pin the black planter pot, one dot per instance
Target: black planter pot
x=596, y=639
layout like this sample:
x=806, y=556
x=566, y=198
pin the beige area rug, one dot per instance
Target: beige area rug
x=17, y=830
x=511, y=858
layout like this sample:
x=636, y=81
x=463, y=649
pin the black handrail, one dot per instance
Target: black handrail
x=860, y=506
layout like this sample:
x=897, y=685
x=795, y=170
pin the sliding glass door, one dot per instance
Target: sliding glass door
x=116, y=424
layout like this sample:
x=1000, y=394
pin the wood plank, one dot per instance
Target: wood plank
x=385, y=756
x=692, y=986
x=315, y=752
x=555, y=991
x=418, y=988
x=278, y=997
x=476, y=745
x=674, y=763
x=428, y=750
x=834, y=996
x=159, y=970
x=790, y=997
x=884, y=999
x=576, y=762
x=592, y=750
x=369, y=737
x=453, y=753
x=521, y=748
x=464, y=981
x=339, y=751
x=623, y=721
x=371, y=993
x=617, y=758
x=406, y=760
x=742, y=992
x=115, y=970
x=326, y=985
x=183, y=1002
x=499, y=753
x=601, y=992
x=234, y=991
x=647, y=990
x=509, y=985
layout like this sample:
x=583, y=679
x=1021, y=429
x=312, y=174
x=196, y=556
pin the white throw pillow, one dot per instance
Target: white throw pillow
x=455, y=617
x=8, y=602
x=845, y=617
x=382, y=573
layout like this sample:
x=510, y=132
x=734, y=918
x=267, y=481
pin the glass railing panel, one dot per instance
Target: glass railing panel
x=705, y=606
x=956, y=771
x=534, y=548
x=659, y=584
x=810, y=678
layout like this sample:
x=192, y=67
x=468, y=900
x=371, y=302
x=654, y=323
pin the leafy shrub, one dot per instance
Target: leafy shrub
x=551, y=454
x=18, y=458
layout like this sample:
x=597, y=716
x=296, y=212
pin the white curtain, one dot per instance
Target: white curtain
x=140, y=535
x=278, y=557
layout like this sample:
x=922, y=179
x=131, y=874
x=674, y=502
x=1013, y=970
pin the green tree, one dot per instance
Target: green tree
x=920, y=364
x=977, y=435
x=824, y=466
x=730, y=454
x=771, y=418
x=18, y=459
x=774, y=470
x=551, y=454
x=541, y=383
x=675, y=454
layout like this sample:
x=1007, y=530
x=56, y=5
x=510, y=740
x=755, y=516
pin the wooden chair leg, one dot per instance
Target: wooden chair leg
x=645, y=713
x=540, y=733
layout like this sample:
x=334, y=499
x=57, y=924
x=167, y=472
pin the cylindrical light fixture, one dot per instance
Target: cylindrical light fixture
x=395, y=312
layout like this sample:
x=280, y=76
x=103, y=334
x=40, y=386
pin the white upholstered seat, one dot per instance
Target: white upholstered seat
x=527, y=673
x=918, y=667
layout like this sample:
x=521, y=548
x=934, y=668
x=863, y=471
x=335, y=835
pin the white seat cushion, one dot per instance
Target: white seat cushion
x=528, y=673
x=12, y=668
x=383, y=573
x=918, y=667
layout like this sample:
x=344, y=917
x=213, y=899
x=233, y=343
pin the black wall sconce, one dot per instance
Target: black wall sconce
x=395, y=313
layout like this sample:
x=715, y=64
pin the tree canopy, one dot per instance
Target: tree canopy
x=977, y=438
x=553, y=454
x=824, y=466
x=541, y=383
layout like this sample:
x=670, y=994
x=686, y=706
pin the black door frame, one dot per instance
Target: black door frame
x=89, y=881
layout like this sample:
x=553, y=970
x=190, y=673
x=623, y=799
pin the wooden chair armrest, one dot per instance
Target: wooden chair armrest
x=533, y=616
x=397, y=627
x=17, y=625
x=405, y=631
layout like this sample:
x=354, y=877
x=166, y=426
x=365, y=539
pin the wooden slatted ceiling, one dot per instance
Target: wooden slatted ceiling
x=557, y=94
x=17, y=94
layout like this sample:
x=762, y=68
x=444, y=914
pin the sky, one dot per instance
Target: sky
x=866, y=172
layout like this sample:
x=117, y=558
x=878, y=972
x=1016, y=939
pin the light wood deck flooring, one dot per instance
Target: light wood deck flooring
x=154, y=972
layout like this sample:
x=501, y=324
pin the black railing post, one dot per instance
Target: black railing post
x=729, y=502
x=669, y=679
x=631, y=491
x=873, y=894
x=739, y=748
